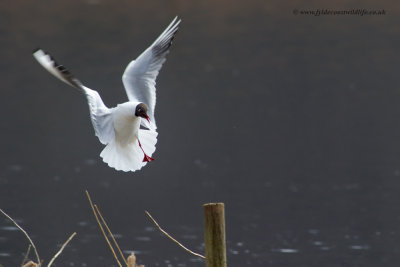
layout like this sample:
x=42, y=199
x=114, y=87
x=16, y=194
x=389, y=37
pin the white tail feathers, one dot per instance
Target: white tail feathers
x=123, y=158
x=130, y=157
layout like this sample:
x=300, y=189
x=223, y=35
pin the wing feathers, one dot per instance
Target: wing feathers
x=140, y=75
x=100, y=115
x=62, y=73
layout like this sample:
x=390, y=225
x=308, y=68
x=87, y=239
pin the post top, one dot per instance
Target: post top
x=214, y=204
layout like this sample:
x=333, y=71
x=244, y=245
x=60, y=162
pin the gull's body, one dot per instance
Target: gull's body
x=129, y=129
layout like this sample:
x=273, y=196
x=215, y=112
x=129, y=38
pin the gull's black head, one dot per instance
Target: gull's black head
x=141, y=111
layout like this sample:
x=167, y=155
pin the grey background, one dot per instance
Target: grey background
x=291, y=120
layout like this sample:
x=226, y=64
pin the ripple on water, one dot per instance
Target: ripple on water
x=9, y=228
x=5, y=254
x=286, y=250
x=83, y=223
x=233, y=251
x=149, y=229
x=325, y=248
x=313, y=231
x=118, y=236
x=318, y=243
x=196, y=259
x=143, y=238
x=359, y=247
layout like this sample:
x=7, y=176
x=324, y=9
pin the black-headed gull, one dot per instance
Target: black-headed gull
x=129, y=129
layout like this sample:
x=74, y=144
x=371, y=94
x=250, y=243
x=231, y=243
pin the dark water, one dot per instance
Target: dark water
x=293, y=121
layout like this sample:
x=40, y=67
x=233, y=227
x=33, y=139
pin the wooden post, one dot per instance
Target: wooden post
x=214, y=234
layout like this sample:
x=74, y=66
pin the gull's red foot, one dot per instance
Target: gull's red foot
x=147, y=158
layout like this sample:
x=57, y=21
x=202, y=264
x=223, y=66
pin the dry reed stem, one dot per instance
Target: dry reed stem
x=26, y=255
x=26, y=234
x=109, y=231
x=131, y=260
x=102, y=229
x=173, y=239
x=31, y=264
x=61, y=249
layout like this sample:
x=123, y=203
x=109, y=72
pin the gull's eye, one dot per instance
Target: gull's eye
x=140, y=111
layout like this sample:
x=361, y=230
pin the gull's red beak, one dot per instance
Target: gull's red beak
x=146, y=117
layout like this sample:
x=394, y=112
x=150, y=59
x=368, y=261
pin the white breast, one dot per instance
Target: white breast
x=126, y=125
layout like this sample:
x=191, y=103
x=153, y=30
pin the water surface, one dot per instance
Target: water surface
x=291, y=120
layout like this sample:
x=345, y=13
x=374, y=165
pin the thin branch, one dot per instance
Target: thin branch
x=102, y=229
x=61, y=249
x=109, y=231
x=25, y=233
x=173, y=239
x=26, y=255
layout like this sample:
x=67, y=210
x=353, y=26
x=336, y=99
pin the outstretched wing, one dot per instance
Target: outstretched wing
x=140, y=75
x=101, y=116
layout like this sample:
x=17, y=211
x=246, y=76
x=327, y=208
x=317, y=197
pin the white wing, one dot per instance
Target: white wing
x=140, y=75
x=101, y=116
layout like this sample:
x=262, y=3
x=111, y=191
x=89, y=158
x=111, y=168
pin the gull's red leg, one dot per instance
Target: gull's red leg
x=146, y=158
